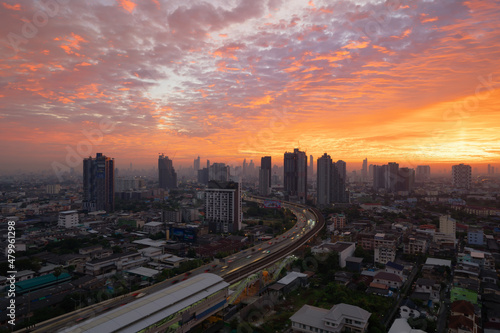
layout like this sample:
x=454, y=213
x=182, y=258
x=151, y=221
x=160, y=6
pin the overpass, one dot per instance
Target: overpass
x=132, y=313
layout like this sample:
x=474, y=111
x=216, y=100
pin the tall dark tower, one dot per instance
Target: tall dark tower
x=330, y=182
x=265, y=163
x=265, y=175
x=99, y=183
x=166, y=173
x=295, y=174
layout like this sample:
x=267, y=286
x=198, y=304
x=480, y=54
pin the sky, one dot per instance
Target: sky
x=416, y=82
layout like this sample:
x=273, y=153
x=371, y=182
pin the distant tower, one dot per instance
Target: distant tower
x=392, y=176
x=166, y=173
x=311, y=167
x=295, y=174
x=423, y=172
x=342, y=167
x=98, y=183
x=364, y=170
x=330, y=181
x=218, y=172
x=196, y=165
x=461, y=176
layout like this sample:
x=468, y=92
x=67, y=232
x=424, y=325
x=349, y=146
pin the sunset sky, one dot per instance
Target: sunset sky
x=414, y=82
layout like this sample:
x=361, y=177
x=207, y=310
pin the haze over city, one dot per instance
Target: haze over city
x=413, y=82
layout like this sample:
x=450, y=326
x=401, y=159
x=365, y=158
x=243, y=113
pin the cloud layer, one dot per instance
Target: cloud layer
x=398, y=80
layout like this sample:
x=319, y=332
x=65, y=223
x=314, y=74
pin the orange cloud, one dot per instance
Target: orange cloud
x=128, y=5
x=12, y=7
x=356, y=45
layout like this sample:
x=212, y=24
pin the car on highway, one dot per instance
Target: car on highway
x=248, y=257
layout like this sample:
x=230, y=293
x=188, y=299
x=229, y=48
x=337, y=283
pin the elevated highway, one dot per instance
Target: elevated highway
x=239, y=266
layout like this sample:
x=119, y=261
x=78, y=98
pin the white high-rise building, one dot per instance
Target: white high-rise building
x=461, y=176
x=223, y=206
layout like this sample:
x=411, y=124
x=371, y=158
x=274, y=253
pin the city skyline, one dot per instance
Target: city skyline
x=416, y=84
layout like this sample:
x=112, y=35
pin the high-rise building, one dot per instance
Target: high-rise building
x=196, y=165
x=379, y=175
x=218, y=172
x=461, y=176
x=166, y=173
x=370, y=171
x=264, y=185
x=330, y=183
x=203, y=176
x=265, y=163
x=392, y=176
x=223, y=206
x=251, y=169
x=311, y=167
x=98, y=183
x=406, y=179
x=295, y=174
x=265, y=175
x=245, y=167
x=423, y=173
x=323, y=180
x=364, y=169
x=342, y=167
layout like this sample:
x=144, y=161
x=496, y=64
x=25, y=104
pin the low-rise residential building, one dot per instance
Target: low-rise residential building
x=153, y=227
x=391, y=280
x=344, y=250
x=340, y=318
x=384, y=248
x=416, y=245
x=428, y=286
x=391, y=267
x=475, y=236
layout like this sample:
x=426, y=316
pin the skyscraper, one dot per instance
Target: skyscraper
x=166, y=173
x=265, y=175
x=244, y=167
x=423, y=173
x=392, y=176
x=218, y=172
x=98, y=183
x=311, y=167
x=323, y=175
x=379, y=173
x=406, y=179
x=295, y=174
x=223, y=206
x=461, y=176
x=364, y=169
x=330, y=183
x=265, y=163
x=342, y=167
x=196, y=165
